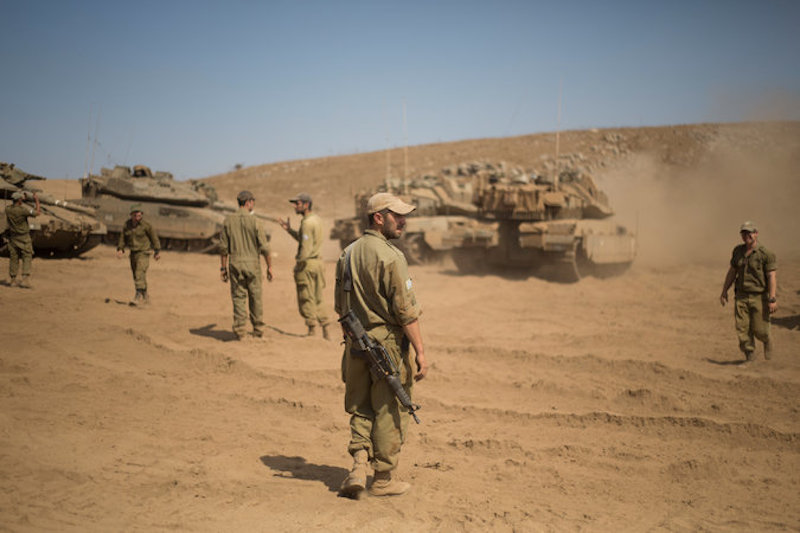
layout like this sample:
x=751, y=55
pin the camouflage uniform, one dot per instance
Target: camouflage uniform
x=383, y=299
x=19, y=239
x=140, y=240
x=243, y=239
x=751, y=293
x=309, y=274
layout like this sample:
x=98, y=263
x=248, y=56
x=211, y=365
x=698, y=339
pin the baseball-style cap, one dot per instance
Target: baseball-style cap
x=748, y=226
x=386, y=200
x=302, y=197
x=244, y=196
x=16, y=195
x=136, y=208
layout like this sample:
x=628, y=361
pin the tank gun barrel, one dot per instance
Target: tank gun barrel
x=228, y=208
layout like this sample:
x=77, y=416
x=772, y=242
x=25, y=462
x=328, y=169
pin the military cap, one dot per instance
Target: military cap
x=136, y=208
x=748, y=226
x=385, y=200
x=17, y=195
x=244, y=196
x=302, y=197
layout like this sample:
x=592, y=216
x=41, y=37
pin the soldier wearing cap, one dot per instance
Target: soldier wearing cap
x=19, y=237
x=382, y=297
x=140, y=238
x=309, y=276
x=753, y=268
x=241, y=242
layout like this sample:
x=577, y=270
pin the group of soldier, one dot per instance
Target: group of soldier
x=374, y=286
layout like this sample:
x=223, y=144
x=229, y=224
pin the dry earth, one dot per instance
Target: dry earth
x=606, y=405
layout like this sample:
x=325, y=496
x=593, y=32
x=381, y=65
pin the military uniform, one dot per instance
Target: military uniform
x=140, y=240
x=244, y=240
x=309, y=274
x=751, y=293
x=19, y=239
x=383, y=299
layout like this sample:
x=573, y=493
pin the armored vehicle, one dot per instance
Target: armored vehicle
x=63, y=228
x=186, y=215
x=560, y=227
x=444, y=218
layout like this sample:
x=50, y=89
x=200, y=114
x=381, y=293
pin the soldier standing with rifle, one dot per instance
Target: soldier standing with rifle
x=140, y=238
x=19, y=237
x=373, y=285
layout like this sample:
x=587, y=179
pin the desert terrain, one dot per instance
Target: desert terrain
x=612, y=404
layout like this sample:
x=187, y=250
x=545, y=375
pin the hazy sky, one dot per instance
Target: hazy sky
x=195, y=87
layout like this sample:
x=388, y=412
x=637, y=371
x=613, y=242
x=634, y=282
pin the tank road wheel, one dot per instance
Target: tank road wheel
x=416, y=250
x=563, y=268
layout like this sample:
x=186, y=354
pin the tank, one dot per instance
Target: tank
x=444, y=218
x=63, y=229
x=186, y=215
x=559, y=228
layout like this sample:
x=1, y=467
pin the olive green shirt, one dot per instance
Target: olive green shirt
x=309, y=238
x=243, y=238
x=17, y=218
x=751, y=270
x=383, y=293
x=141, y=238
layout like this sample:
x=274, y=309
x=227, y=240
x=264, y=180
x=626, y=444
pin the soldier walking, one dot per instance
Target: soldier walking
x=372, y=281
x=140, y=238
x=753, y=268
x=19, y=238
x=309, y=274
x=241, y=242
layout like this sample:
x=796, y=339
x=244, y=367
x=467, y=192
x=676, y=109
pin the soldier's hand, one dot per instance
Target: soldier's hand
x=422, y=367
x=120, y=254
x=269, y=274
x=723, y=298
x=773, y=307
x=284, y=223
x=156, y=256
x=223, y=275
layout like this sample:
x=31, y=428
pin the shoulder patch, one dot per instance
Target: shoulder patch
x=408, y=284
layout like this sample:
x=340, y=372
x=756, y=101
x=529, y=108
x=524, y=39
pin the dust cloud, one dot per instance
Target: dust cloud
x=692, y=213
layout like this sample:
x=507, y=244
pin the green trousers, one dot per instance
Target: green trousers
x=752, y=320
x=378, y=423
x=19, y=246
x=310, y=281
x=245, y=281
x=140, y=261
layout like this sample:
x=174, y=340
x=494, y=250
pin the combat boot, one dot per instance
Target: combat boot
x=139, y=298
x=311, y=331
x=25, y=283
x=356, y=480
x=384, y=485
x=13, y=282
x=325, y=333
x=145, y=296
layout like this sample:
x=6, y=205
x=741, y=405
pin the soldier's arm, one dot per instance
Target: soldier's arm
x=304, y=238
x=38, y=205
x=121, y=241
x=154, y=242
x=729, y=278
x=414, y=334
x=772, y=288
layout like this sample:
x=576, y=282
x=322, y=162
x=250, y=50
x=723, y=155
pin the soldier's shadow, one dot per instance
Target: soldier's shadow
x=209, y=331
x=298, y=468
x=788, y=322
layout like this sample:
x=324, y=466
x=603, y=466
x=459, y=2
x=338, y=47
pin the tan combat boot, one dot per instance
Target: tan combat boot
x=311, y=331
x=384, y=485
x=356, y=480
x=25, y=283
x=325, y=334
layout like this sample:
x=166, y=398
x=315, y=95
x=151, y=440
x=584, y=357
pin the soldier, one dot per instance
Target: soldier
x=140, y=238
x=243, y=239
x=382, y=297
x=19, y=237
x=309, y=274
x=754, y=269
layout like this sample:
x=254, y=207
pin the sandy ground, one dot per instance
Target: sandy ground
x=607, y=405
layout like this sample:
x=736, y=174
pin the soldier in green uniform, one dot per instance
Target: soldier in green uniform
x=140, y=238
x=753, y=268
x=241, y=242
x=382, y=297
x=309, y=276
x=19, y=237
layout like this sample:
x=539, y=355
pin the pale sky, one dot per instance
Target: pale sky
x=195, y=87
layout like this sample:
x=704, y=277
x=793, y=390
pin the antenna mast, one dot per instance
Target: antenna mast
x=558, y=132
x=405, y=150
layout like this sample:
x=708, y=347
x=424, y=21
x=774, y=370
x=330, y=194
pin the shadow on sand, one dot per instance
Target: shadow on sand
x=226, y=335
x=298, y=468
x=735, y=362
x=788, y=322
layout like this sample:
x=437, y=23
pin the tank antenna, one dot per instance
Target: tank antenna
x=558, y=132
x=405, y=150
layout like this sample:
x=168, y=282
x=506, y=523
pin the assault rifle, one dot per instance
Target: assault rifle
x=380, y=364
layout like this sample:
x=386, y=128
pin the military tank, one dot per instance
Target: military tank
x=558, y=228
x=444, y=217
x=186, y=215
x=63, y=229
